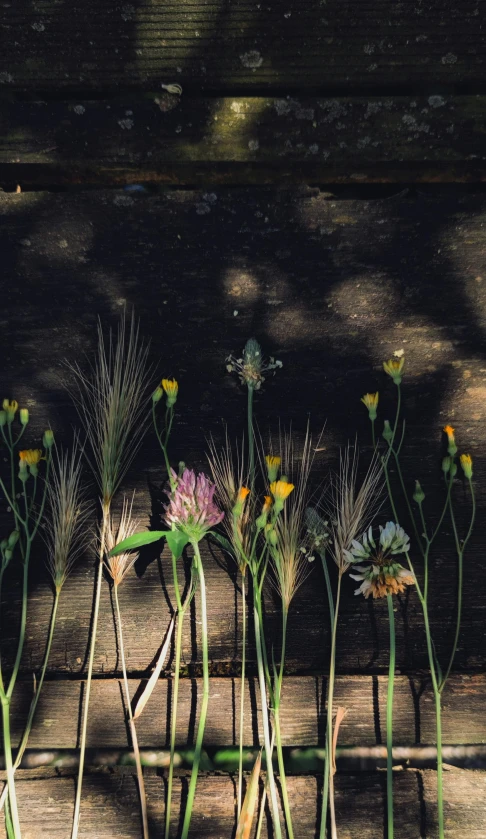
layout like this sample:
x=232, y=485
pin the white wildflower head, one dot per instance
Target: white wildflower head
x=382, y=574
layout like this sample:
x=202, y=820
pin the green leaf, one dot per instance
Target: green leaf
x=138, y=540
x=176, y=541
x=223, y=541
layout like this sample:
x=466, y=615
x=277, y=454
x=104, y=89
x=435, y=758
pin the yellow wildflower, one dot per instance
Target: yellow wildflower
x=171, y=388
x=243, y=493
x=280, y=491
x=451, y=448
x=466, y=463
x=393, y=367
x=10, y=408
x=273, y=464
x=371, y=402
x=31, y=457
x=262, y=518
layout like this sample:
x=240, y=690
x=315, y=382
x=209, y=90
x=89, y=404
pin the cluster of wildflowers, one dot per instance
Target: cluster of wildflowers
x=382, y=575
x=252, y=365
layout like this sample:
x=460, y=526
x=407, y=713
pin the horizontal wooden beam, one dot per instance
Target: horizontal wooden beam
x=302, y=714
x=216, y=45
x=110, y=805
x=167, y=139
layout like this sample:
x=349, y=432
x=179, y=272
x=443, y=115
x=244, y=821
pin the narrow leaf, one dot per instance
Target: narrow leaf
x=245, y=821
x=176, y=541
x=223, y=541
x=340, y=714
x=138, y=540
x=149, y=687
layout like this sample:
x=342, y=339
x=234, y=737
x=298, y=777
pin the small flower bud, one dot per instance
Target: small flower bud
x=370, y=400
x=446, y=464
x=157, y=395
x=273, y=465
x=240, y=501
x=23, y=471
x=453, y=469
x=271, y=535
x=24, y=416
x=11, y=409
x=8, y=554
x=466, y=463
x=13, y=538
x=451, y=448
x=419, y=494
x=3, y=418
x=48, y=439
x=394, y=368
x=387, y=432
x=171, y=388
x=3, y=544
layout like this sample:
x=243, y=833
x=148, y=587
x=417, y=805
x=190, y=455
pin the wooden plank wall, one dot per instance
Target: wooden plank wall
x=317, y=183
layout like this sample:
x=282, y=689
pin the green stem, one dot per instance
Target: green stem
x=373, y=436
x=330, y=699
x=278, y=735
x=325, y=791
x=82, y=751
x=205, y=696
x=242, y=693
x=181, y=612
x=141, y=783
x=440, y=794
x=7, y=748
x=266, y=727
x=251, y=438
x=23, y=621
x=389, y=719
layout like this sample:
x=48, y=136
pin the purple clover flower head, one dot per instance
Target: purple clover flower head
x=191, y=507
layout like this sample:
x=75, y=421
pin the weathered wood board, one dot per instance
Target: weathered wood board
x=110, y=805
x=303, y=712
x=331, y=287
x=240, y=45
x=168, y=139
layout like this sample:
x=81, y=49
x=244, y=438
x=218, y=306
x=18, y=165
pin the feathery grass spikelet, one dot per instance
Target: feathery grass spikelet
x=110, y=401
x=66, y=522
x=119, y=566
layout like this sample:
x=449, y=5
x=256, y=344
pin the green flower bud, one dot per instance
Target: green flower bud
x=11, y=409
x=23, y=471
x=3, y=544
x=387, y=432
x=419, y=494
x=157, y=395
x=272, y=537
x=48, y=439
x=24, y=416
x=3, y=418
x=446, y=464
x=13, y=538
x=8, y=554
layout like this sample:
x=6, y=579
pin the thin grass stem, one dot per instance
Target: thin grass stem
x=242, y=693
x=389, y=719
x=133, y=731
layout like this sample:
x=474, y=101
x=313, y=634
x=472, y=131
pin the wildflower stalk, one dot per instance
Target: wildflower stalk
x=327, y=759
x=205, y=694
x=389, y=719
x=82, y=747
x=35, y=698
x=262, y=679
x=437, y=678
x=277, y=692
x=251, y=438
x=181, y=613
x=242, y=692
x=330, y=699
x=133, y=731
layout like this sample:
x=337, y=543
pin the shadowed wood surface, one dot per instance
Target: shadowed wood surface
x=171, y=140
x=217, y=45
x=303, y=712
x=332, y=288
x=46, y=805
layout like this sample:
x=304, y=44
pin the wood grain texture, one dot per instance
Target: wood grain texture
x=46, y=805
x=244, y=44
x=167, y=139
x=332, y=287
x=303, y=713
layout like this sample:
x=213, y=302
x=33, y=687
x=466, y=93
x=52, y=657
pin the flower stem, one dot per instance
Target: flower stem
x=278, y=735
x=35, y=698
x=330, y=699
x=389, y=720
x=12, y=797
x=266, y=727
x=181, y=612
x=82, y=751
x=242, y=692
x=251, y=438
x=205, y=696
x=133, y=731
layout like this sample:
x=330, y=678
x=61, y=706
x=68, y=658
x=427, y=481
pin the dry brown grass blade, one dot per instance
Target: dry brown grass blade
x=155, y=675
x=340, y=714
x=245, y=821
